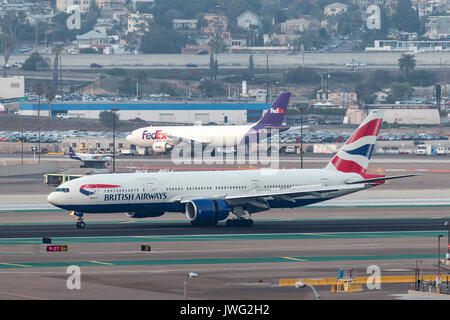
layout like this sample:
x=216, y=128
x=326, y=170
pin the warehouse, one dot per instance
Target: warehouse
x=164, y=112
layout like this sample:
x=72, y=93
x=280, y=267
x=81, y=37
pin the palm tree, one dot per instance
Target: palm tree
x=50, y=93
x=39, y=89
x=407, y=63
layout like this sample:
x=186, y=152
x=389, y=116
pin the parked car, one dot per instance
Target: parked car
x=96, y=65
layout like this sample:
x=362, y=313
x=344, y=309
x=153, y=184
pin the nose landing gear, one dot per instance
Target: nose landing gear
x=80, y=222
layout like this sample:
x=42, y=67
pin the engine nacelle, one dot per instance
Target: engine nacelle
x=160, y=147
x=206, y=211
x=140, y=214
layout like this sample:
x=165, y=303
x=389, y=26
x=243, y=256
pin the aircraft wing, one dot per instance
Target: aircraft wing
x=177, y=139
x=290, y=194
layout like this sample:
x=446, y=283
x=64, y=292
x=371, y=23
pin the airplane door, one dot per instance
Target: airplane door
x=256, y=185
x=151, y=187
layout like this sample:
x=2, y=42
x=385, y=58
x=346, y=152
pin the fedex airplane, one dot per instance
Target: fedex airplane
x=163, y=139
x=212, y=196
x=86, y=157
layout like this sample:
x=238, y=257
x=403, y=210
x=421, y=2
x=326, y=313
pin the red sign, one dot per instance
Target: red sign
x=57, y=248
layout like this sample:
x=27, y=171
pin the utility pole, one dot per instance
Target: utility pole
x=301, y=136
x=267, y=78
x=113, y=110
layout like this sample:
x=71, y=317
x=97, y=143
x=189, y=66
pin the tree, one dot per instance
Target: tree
x=217, y=44
x=211, y=66
x=107, y=119
x=7, y=45
x=39, y=89
x=401, y=90
x=50, y=93
x=35, y=62
x=251, y=67
x=211, y=88
x=405, y=17
x=407, y=63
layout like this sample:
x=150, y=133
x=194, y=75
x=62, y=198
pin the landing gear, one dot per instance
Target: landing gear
x=241, y=220
x=80, y=222
x=240, y=223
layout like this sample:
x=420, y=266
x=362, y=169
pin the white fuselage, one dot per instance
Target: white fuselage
x=165, y=191
x=217, y=136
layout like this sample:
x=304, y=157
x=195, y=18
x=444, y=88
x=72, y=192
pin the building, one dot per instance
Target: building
x=111, y=4
x=93, y=38
x=217, y=24
x=249, y=20
x=335, y=9
x=410, y=45
x=184, y=24
x=12, y=87
x=139, y=22
x=438, y=27
x=301, y=24
x=63, y=5
x=164, y=112
x=280, y=39
x=394, y=113
x=136, y=3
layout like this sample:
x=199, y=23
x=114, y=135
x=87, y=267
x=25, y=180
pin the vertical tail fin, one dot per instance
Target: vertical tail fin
x=275, y=115
x=355, y=155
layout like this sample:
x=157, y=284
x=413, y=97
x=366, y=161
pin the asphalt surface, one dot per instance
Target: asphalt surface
x=184, y=228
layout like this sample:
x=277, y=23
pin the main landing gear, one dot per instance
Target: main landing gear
x=241, y=220
x=80, y=222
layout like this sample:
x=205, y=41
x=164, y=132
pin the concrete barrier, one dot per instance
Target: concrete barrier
x=26, y=169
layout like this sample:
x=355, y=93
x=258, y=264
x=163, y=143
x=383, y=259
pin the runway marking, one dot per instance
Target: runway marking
x=218, y=261
x=15, y=265
x=290, y=258
x=20, y=296
x=99, y=262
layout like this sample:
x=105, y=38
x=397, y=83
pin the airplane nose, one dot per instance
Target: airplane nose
x=51, y=198
x=130, y=138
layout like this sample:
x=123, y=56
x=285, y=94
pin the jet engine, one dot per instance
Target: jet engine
x=140, y=214
x=206, y=211
x=160, y=147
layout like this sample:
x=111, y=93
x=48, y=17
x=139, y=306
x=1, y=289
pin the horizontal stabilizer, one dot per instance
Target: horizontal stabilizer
x=380, y=179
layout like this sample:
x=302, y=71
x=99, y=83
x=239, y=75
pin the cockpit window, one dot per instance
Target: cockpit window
x=62, y=190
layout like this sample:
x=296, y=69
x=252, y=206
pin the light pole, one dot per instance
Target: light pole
x=439, y=253
x=301, y=284
x=113, y=110
x=447, y=256
x=190, y=275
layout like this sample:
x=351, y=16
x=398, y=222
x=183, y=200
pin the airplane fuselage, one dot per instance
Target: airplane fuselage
x=166, y=192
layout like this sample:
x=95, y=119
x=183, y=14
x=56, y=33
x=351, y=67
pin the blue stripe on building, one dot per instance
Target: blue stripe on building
x=148, y=106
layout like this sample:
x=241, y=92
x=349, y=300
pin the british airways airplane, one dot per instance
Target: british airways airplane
x=163, y=139
x=212, y=196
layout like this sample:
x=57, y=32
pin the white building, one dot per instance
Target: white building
x=139, y=21
x=437, y=27
x=248, y=20
x=12, y=87
x=62, y=5
x=184, y=24
x=167, y=112
x=335, y=9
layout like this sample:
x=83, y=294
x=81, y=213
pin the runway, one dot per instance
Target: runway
x=120, y=229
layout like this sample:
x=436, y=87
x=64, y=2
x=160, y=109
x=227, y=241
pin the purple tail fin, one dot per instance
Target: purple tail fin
x=273, y=118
